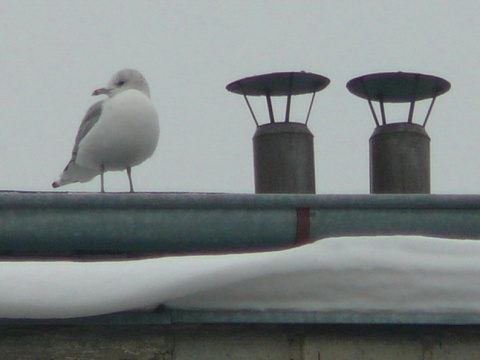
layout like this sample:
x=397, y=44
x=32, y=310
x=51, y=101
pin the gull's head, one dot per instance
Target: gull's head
x=124, y=80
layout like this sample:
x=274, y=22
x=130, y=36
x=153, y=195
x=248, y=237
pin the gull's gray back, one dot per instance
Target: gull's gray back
x=89, y=120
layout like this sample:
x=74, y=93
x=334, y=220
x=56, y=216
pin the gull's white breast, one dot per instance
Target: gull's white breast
x=125, y=135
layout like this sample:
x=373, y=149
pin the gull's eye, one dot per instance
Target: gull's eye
x=120, y=83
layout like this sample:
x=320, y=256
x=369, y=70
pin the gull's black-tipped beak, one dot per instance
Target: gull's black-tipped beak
x=102, y=91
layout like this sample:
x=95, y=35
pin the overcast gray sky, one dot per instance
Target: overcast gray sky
x=55, y=53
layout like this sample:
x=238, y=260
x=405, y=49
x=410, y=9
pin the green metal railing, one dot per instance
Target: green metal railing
x=50, y=225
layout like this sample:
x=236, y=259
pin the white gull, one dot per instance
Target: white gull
x=116, y=134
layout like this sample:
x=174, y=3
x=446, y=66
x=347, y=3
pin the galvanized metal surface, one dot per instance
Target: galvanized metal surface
x=46, y=224
x=58, y=225
x=400, y=159
x=284, y=159
x=170, y=316
x=398, y=87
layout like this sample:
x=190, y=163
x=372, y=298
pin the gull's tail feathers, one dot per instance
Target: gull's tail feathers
x=75, y=173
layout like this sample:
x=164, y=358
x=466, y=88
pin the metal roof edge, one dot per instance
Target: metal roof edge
x=102, y=226
x=172, y=316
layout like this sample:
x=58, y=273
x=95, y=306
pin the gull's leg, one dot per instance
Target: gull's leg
x=102, y=171
x=129, y=173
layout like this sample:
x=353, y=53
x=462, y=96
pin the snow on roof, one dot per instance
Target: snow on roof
x=361, y=274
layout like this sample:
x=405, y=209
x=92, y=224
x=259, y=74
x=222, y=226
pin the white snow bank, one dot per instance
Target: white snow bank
x=384, y=273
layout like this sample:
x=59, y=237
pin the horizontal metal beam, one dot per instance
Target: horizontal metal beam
x=107, y=226
x=172, y=317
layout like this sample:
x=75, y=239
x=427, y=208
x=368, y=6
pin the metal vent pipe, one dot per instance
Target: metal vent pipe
x=283, y=150
x=400, y=159
x=399, y=152
x=283, y=159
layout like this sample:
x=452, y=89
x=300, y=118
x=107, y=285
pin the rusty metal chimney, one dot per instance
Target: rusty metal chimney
x=400, y=151
x=283, y=150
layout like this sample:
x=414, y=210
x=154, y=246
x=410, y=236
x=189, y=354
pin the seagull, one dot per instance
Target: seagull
x=116, y=133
